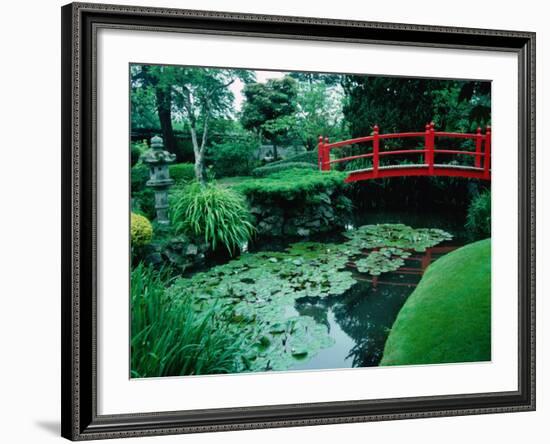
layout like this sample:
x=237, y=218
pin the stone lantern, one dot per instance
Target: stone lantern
x=158, y=159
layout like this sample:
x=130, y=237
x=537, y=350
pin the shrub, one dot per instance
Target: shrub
x=478, y=219
x=170, y=338
x=233, y=157
x=182, y=172
x=447, y=318
x=136, y=150
x=139, y=175
x=308, y=157
x=217, y=213
x=291, y=184
x=141, y=230
x=271, y=168
x=143, y=203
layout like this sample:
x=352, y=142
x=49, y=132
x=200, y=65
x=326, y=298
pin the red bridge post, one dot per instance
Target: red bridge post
x=326, y=156
x=375, y=151
x=487, y=162
x=479, y=138
x=429, y=146
x=320, y=152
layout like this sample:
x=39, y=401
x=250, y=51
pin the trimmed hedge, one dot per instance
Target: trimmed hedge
x=307, y=156
x=448, y=316
x=141, y=230
x=271, y=168
x=291, y=184
x=182, y=172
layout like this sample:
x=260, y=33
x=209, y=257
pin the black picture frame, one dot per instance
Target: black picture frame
x=80, y=420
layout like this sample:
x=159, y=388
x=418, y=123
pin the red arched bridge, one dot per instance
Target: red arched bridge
x=480, y=169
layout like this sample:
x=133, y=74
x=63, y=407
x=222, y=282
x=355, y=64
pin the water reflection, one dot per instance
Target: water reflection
x=360, y=320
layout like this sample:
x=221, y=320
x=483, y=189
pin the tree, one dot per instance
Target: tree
x=395, y=104
x=201, y=94
x=269, y=107
x=156, y=80
x=319, y=112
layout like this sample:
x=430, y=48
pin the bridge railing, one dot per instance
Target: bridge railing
x=482, y=153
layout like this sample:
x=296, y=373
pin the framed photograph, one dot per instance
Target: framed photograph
x=280, y=221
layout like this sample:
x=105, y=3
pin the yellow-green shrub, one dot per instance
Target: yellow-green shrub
x=141, y=230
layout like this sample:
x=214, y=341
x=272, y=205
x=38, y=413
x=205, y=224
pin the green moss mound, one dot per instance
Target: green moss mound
x=448, y=316
x=270, y=169
x=307, y=156
x=291, y=184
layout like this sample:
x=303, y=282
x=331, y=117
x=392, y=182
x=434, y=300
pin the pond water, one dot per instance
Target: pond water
x=328, y=302
x=359, y=320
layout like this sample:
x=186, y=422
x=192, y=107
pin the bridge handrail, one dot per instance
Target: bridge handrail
x=429, y=150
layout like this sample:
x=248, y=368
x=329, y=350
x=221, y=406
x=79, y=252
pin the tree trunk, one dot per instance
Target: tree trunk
x=275, y=154
x=164, y=108
x=199, y=159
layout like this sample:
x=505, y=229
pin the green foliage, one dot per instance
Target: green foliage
x=307, y=156
x=319, y=113
x=136, y=150
x=172, y=338
x=405, y=104
x=143, y=197
x=143, y=106
x=258, y=291
x=478, y=219
x=269, y=108
x=143, y=202
x=291, y=184
x=234, y=156
x=139, y=175
x=270, y=168
x=141, y=230
x=217, y=213
x=388, y=245
x=448, y=316
x=182, y=173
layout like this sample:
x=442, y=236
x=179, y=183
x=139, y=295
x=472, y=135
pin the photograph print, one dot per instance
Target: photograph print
x=300, y=221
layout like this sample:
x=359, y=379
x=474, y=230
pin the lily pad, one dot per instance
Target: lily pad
x=256, y=293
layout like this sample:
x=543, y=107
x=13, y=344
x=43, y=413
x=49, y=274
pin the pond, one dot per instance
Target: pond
x=329, y=302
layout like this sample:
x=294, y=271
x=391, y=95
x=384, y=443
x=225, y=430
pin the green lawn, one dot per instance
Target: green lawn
x=448, y=316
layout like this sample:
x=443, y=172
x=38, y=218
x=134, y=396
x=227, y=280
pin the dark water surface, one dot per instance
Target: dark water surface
x=359, y=320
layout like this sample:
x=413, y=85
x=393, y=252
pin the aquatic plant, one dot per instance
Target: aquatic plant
x=388, y=245
x=258, y=291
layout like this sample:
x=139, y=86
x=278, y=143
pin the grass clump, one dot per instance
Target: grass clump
x=478, y=219
x=448, y=316
x=171, y=338
x=218, y=214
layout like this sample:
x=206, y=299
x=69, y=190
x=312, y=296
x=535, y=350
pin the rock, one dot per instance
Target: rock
x=257, y=210
x=154, y=258
x=191, y=250
x=304, y=232
x=314, y=223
